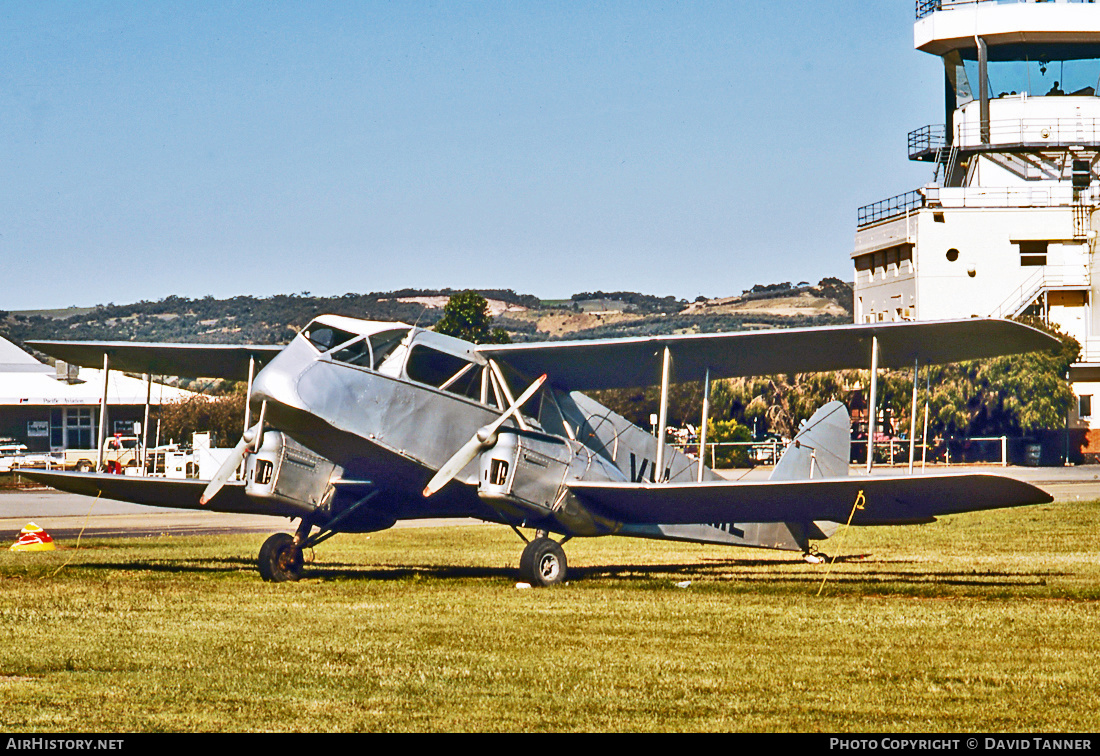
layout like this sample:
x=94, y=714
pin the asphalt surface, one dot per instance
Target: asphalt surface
x=64, y=516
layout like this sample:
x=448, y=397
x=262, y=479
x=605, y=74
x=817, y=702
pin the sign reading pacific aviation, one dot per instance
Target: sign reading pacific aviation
x=364, y=423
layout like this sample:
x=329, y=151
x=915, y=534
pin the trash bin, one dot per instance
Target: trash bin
x=1032, y=454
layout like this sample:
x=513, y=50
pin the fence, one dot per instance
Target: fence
x=984, y=449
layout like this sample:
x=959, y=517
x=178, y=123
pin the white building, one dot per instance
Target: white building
x=1009, y=222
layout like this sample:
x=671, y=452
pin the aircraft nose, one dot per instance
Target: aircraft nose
x=277, y=383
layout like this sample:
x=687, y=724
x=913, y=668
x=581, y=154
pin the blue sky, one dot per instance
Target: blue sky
x=149, y=149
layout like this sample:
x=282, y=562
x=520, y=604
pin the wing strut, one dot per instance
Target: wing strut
x=145, y=422
x=913, y=416
x=103, y=414
x=703, y=424
x=662, y=423
x=872, y=405
x=507, y=392
x=927, y=401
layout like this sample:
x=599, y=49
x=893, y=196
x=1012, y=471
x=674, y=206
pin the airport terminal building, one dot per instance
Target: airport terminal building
x=56, y=408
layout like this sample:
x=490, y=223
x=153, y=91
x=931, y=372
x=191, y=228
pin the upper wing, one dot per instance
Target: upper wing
x=624, y=363
x=190, y=360
x=888, y=499
x=160, y=492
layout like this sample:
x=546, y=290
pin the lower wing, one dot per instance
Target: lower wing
x=885, y=500
x=161, y=492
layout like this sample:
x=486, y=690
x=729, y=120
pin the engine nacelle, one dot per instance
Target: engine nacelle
x=525, y=475
x=284, y=470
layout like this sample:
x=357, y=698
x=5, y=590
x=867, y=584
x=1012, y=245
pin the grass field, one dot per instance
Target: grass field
x=987, y=621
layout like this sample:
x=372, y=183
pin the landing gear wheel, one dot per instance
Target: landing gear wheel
x=543, y=562
x=280, y=559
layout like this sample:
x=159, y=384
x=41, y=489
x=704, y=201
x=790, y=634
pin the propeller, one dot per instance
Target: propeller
x=249, y=442
x=228, y=467
x=483, y=439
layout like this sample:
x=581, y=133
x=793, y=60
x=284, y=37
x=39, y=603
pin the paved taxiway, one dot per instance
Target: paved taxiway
x=63, y=515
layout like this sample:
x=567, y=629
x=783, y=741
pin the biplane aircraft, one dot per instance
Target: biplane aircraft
x=364, y=423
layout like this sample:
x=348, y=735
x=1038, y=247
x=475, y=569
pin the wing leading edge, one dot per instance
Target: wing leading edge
x=631, y=362
x=888, y=499
x=228, y=361
x=160, y=492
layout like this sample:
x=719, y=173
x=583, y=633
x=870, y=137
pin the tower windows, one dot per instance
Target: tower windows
x=1032, y=253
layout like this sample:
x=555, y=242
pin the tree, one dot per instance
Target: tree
x=720, y=431
x=224, y=415
x=1011, y=396
x=780, y=402
x=466, y=316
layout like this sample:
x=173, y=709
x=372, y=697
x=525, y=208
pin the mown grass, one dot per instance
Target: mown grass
x=986, y=621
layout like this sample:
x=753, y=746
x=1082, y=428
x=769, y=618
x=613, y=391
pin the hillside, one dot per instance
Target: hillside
x=274, y=320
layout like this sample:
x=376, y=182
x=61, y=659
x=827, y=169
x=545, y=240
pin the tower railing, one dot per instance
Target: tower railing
x=926, y=141
x=1031, y=132
x=890, y=207
x=928, y=7
x=1023, y=195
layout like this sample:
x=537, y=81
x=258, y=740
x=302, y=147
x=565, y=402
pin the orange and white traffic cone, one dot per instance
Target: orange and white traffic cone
x=33, y=538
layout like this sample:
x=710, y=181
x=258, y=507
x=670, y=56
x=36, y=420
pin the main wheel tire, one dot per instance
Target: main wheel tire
x=543, y=562
x=280, y=559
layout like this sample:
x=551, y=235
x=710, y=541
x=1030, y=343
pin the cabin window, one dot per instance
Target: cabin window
x=439, y=369
x=326, y=337
x=370, y=351
x=356, y=353
x=1032, y=253
x=384, y=342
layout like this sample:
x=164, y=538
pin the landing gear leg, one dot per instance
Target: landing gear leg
x=281, y=559
x=543, y=562
x=281, y=556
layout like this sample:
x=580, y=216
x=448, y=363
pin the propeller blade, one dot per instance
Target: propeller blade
x=480, y=440
x=454, y=465
x=225, y=472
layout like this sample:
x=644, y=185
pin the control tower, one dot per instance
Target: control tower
x=1008, y=223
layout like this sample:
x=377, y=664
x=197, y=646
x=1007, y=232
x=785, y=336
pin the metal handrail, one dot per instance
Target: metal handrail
x=927, y=138
x=890, y=207
x=1043, y=195
x=1044, y=132
x=928, y=7
x=1044, y=277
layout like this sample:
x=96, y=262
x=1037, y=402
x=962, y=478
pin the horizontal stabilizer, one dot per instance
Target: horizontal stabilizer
x=160, y=492
x=888, y=499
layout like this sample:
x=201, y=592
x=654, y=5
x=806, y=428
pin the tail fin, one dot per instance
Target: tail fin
x=821, y=449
